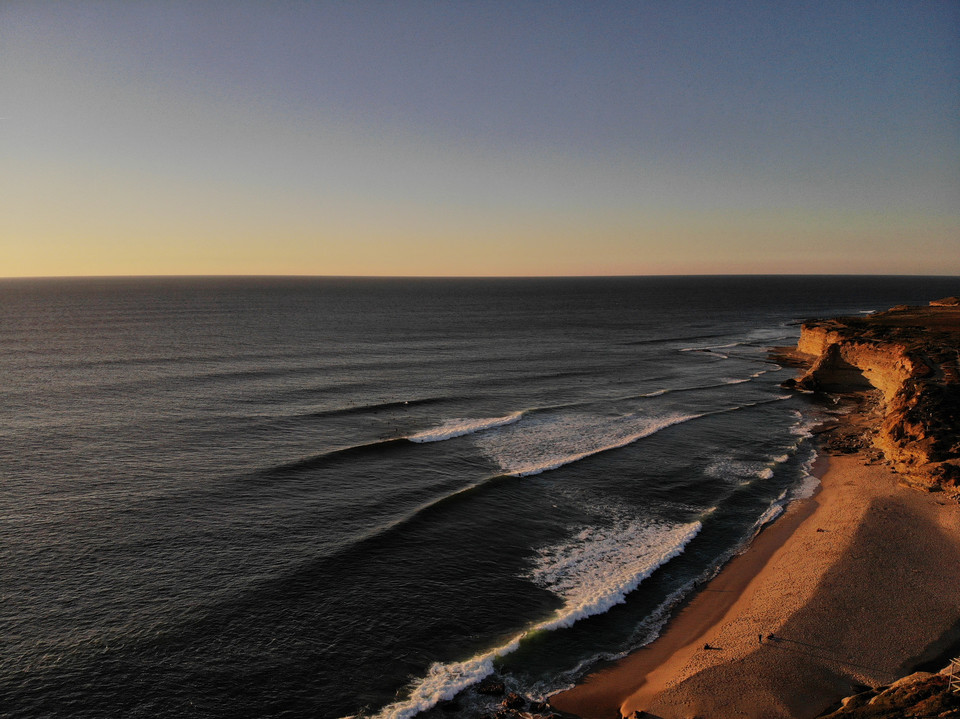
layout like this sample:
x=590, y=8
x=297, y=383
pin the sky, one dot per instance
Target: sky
x=517, y=138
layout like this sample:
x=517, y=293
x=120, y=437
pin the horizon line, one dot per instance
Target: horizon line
x=465, y=277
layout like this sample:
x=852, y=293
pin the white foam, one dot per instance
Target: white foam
x=598, y=567
x=645, y=633
x=591, y=572
x=551, y=441
x=731, y=467
x=803, y=428
x=808, y=485
x=772, y=512
x=461, y=426
x=444, y=682
x=730, y=380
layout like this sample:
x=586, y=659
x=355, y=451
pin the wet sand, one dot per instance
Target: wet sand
x=854, y=586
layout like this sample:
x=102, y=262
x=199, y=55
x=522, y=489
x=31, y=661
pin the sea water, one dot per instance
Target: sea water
x=300, y=497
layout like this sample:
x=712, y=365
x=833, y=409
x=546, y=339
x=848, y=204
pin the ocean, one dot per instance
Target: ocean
x=326, y=497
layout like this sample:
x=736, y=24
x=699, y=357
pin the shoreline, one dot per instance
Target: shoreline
x=851, y=587
x=643, y=672
x=601, y=693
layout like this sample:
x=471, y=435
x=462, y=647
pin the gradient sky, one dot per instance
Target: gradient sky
x=479, y=138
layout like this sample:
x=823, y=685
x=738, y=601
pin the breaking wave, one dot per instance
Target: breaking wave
x=772, y=512
x=548, y=442
x=730, y=467
x=460, y=427
x=598, y=567
x=591, y=572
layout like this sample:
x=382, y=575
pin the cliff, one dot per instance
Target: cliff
x=911, y=355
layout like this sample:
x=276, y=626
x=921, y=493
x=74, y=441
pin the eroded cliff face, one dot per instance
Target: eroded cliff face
x=911, y=355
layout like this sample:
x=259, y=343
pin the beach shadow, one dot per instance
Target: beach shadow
x=838, y=638
x=824, y=653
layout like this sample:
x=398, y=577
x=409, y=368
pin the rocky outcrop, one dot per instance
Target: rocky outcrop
x=909, y=354
x=946, y=302
x=919, y=695
x=512, y=706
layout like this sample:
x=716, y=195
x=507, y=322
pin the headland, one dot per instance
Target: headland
x=849, y=590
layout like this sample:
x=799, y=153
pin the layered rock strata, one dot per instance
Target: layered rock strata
x=912, y=356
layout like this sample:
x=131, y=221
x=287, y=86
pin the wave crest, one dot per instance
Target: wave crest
x=550, y=442
x=461, y=426
x=593, y=571
x=598, y=567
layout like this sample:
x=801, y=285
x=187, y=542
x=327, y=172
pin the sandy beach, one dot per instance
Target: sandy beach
x=854, y=586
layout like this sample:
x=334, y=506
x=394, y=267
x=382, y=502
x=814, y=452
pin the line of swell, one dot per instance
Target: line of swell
x=443, y=432
x=313, y=355
x=424, y=511
x=307, y=463
x=352, y=550
x=487, y=483
x=627, y=398
x=362, y=408
x=680, y=390
x=679, y=338
x=438, y=434
x=391, y=444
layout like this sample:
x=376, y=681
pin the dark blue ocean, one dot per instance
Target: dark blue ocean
x=298, y=497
